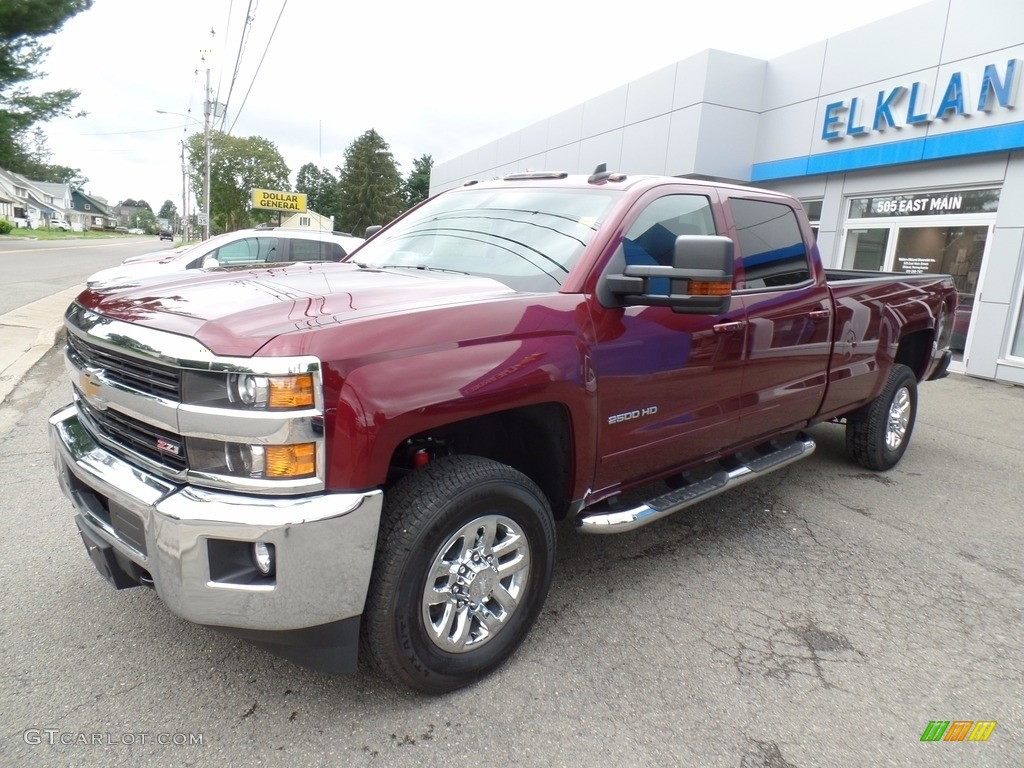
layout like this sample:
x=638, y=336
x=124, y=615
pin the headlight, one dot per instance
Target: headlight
x=259, y=462
x=249, y=391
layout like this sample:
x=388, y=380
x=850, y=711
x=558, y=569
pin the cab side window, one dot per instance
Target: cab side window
x=773, y=250
x=314, y=250
x=652, y=237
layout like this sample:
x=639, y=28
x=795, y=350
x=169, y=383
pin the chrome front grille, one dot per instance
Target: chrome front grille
x=157, y=445
x=143, y=376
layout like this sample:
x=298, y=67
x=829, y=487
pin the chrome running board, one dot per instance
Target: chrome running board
x=605, y=520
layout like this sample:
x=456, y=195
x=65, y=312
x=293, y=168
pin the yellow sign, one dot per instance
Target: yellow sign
x=272, y=200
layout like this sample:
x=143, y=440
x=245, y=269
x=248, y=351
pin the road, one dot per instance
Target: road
x=822, y=616
x=34, y=269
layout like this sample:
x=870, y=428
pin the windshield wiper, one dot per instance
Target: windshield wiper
x=422, y=267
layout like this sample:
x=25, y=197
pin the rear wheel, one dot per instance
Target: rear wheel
x=877, y=435
x=464, y=562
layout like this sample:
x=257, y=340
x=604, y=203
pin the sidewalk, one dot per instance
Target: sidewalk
x=29, y=332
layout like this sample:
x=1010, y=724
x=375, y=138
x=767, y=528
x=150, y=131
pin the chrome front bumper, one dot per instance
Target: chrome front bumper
x=192, y=542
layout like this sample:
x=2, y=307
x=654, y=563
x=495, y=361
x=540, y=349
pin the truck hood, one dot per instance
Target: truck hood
x=237, y=312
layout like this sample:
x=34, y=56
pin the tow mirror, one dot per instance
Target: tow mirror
x=699, y=280
x=372, y=230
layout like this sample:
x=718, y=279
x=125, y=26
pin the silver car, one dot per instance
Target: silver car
x=262, y=246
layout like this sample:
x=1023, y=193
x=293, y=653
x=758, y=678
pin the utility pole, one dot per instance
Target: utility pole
x=207, y=109
x=184, y=196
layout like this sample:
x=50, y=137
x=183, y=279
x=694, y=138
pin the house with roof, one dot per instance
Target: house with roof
x=35, y=203
x=26, y=211
x=6, y=206
x=58, y=199
x=95, y=210
x=309, y=219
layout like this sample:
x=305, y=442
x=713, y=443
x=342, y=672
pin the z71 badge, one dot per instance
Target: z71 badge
x=618, y=418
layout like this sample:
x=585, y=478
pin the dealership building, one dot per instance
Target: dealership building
x=903, y=139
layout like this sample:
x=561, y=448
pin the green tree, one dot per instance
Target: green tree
x=21, y=25
x=37, y=166
x=130, y=203
x=238, y=165
x=417, y=186
x=370, y=184
x=320, y=187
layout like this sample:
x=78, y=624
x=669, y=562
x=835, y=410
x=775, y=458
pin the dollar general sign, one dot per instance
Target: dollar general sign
x=272, y=200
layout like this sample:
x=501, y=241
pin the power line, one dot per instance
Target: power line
x=129, y=133
x=243, y=38
x=262, y=58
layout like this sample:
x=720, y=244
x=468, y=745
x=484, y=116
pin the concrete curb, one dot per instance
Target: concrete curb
x=29, y=332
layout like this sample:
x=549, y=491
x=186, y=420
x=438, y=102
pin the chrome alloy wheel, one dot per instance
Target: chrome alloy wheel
x=475, y=583
x=899, y=418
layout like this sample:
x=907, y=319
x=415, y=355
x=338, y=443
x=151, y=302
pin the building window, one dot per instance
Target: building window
x=87, y=207
x=813, y=209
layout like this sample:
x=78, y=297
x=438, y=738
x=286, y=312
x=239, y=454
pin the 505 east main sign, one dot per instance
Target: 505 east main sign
x=904, y=105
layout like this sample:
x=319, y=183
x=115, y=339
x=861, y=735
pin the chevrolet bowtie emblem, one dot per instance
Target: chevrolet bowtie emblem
x=89, y=383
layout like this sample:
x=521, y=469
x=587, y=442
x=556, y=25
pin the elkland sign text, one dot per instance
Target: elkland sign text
x=902, y=106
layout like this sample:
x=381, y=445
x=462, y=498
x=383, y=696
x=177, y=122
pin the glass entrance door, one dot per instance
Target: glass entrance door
x=952, y=250
x=866, y=248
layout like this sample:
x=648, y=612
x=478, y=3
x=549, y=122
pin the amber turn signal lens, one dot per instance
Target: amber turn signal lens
x=700, y=288
x=291, y=391
x=290, y=460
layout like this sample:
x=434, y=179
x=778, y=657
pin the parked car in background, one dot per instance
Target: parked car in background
x=262, y=246
x=59, y=222
x=166, y=234
x=136, y=231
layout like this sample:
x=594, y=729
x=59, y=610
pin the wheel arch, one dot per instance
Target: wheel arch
x=533, y=439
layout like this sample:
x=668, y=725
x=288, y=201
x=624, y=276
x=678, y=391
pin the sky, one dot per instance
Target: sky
x=436, y=79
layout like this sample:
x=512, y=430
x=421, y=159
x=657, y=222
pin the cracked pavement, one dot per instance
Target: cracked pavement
x=820, y=616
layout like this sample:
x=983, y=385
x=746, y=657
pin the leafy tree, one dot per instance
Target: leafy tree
x=417, y=186
x=371, y=187
x=37, y=165
x=168, y=211
x=321, y=189
x=143, y=219
x=21, y=24
x=129, y=203
x=238, y=165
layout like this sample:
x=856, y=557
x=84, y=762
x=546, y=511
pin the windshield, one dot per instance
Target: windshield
x=528, y=239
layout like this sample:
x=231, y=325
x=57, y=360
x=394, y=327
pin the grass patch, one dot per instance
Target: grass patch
x=56, y=234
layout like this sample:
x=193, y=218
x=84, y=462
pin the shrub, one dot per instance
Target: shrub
x=5, y=227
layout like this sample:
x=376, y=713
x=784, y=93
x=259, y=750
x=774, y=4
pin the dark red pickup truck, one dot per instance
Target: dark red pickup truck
x=374, y=453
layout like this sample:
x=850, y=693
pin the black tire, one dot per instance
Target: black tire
x=877, y=434
x=428, y=632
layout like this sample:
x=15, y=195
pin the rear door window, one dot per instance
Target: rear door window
x=251, y=250
x=770, y=242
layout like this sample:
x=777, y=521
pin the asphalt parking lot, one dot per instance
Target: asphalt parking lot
x=823, y=616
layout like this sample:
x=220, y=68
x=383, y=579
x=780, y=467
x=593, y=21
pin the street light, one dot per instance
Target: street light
x=206, y=156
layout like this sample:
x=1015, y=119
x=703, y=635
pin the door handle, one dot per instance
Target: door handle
x=736, y=325
x=819, y=314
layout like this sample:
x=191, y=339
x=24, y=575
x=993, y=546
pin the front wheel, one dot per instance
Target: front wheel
x=877, y=435
x=464, y=562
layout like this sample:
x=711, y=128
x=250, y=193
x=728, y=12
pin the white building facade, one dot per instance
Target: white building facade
x=903, y=138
